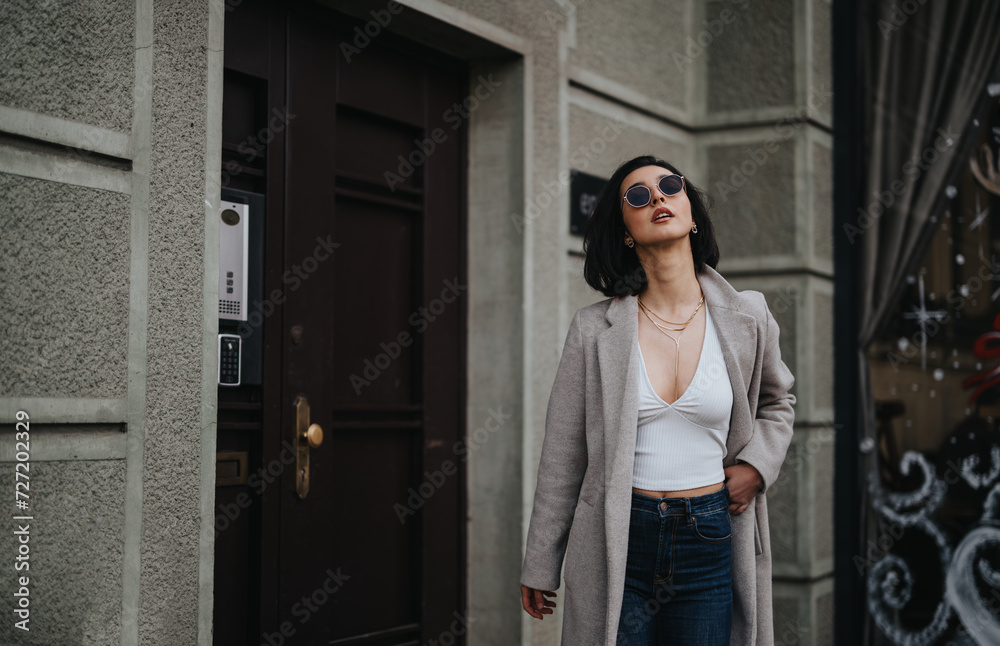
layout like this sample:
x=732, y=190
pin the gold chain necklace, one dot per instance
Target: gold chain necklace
x=677, y=341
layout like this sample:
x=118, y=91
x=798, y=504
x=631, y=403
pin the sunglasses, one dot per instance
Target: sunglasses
x=639, y=196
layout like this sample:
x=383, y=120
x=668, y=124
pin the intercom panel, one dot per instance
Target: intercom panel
x=234, y=238
x=248, y=318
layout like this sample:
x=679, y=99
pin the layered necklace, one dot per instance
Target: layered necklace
x=679, y=327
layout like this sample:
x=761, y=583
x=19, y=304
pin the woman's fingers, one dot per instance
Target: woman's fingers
x=534, y=601
x=743, y=482
x=737, y=508
x=528, y=601
x=542, y=604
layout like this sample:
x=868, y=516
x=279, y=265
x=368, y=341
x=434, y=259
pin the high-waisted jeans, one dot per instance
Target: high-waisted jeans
x=678, y=579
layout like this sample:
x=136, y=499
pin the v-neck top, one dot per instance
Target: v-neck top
x=681, y=445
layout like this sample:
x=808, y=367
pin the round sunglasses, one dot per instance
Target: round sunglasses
x=639, y=196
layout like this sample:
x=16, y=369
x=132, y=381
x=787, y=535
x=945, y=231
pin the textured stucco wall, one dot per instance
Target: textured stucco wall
x=751, y=64
x=110, y=311
x=822, y=204
x=639, y=44
x=757, y=217
x=75, y=564
x=69, y=59
x=821, y=54
x=602, y=148
x=496, y=287
x=64, y=282
x=171, y=457
x=780, y=302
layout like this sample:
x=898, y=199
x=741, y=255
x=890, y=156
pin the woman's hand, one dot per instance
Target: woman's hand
x=535, y=604
x=744, y=483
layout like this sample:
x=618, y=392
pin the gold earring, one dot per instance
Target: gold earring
x=629, y=242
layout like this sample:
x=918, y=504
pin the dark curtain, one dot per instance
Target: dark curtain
x=924, y=69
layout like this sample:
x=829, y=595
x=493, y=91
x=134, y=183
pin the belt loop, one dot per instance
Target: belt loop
x=687, y=508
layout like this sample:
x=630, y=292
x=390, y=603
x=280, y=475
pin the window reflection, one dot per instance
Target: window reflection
x=934, y=575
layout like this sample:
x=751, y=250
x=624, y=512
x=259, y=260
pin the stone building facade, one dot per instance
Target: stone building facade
x=110, y=156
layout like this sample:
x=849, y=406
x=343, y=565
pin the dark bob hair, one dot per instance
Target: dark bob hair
x=609, y=265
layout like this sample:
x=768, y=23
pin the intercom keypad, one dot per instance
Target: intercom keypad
x=229, y=360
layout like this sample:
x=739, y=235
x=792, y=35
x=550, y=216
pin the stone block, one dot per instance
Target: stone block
x=752, y=183
x=772, y=195
x=802, y=305
x=64, y=262
x=602, y=136
x=73, y=60
x=803, y=613
x=800, y=507
x=76, y=546
x=751, y=64
x=613, y=37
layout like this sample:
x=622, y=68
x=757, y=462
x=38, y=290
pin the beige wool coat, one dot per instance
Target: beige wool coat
x=582, y=499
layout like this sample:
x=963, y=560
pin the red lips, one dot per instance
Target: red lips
x=661, y=211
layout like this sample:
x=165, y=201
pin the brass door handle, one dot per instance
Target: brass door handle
x=314, y=435
x=307, y=435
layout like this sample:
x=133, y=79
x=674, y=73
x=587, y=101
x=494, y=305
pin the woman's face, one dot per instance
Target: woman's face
x=666, y=219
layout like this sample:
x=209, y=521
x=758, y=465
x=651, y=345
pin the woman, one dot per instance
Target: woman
x=669, y=417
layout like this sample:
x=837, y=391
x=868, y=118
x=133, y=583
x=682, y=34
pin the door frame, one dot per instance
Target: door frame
x=499, y=151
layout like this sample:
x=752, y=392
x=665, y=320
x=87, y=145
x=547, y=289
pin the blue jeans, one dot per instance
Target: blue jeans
x=678, y=578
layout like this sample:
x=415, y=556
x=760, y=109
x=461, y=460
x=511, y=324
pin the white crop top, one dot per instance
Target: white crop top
x=681, y=445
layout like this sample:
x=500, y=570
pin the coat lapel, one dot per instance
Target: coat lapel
x=618, y=357
x=737, y=334
x=618, y=360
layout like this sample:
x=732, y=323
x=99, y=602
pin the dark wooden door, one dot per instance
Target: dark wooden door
x=373, y=338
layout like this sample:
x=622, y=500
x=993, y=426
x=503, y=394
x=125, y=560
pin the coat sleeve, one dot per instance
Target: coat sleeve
x=561, y=468
x=773, y=424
